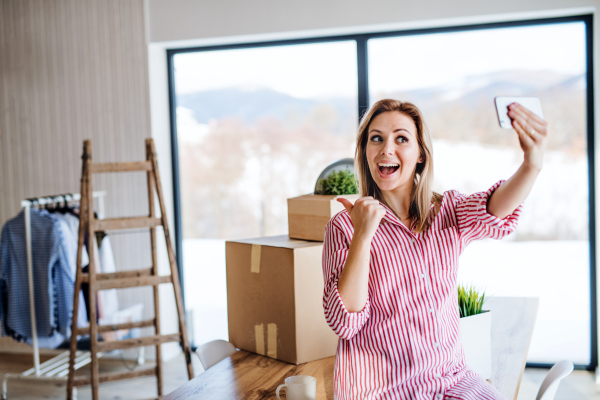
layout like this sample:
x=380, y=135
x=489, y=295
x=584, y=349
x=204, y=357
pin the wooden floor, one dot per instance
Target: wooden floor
x=174, y=375
x=578, y=385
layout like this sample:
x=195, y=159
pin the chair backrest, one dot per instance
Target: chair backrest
x=552, y=379
x=212, y=352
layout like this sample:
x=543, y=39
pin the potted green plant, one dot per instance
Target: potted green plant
x=308, y=214
x=475, y=330
x=338, y=183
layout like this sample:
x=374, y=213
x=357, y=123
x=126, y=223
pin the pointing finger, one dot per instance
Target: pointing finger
x=347, y=204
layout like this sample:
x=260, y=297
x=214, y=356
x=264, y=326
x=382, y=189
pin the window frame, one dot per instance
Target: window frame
x=363, y=104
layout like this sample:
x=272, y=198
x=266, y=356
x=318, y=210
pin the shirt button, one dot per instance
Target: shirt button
x=437, y=375
x=436, y=344
x=422, y=275
x=431, y=310
x=440, y=396
x=413, y=240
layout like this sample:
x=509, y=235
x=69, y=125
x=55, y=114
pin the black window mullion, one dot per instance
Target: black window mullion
x=176, y=187
x=363, y=74
x=589, y=28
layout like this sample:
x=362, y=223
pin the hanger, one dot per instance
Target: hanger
x=64, y=208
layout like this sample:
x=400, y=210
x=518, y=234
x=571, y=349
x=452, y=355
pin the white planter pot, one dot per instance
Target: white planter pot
x=476, y=336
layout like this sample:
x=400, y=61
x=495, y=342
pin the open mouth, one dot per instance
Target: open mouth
x=388, y=169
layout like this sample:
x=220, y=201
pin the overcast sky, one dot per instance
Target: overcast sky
x=401, y=63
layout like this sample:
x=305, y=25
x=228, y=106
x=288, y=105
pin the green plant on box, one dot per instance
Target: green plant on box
x=338, y=183
x=470, y=301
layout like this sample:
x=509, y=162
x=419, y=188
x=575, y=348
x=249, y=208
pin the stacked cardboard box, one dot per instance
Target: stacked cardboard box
x=308, y=214
x=275, y=299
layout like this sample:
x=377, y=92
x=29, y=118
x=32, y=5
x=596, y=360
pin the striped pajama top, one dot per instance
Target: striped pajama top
x=405, y=343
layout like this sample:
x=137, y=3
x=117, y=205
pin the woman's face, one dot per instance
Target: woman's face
x=392, y=150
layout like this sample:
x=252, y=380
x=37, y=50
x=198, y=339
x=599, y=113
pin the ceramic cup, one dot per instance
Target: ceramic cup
x=299, y=387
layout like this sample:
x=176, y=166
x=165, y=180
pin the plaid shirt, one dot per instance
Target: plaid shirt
x=54, y=258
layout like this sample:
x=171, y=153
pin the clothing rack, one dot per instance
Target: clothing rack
x=56, y=367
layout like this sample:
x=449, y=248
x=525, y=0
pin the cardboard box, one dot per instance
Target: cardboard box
x=275, y=299
x=308, y=214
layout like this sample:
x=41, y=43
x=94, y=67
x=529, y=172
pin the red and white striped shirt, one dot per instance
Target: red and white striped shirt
x=405, y=343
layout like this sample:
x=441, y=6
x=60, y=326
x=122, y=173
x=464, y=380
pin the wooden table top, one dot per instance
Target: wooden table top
x=251, y=376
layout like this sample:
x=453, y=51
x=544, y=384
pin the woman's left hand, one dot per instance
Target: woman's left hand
x=533, y=134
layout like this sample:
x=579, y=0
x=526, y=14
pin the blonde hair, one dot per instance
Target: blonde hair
x=421, y=196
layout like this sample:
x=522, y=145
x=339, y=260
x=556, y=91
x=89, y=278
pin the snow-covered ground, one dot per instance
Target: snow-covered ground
x=206, y=288
x=556, y=208
x=555, y=271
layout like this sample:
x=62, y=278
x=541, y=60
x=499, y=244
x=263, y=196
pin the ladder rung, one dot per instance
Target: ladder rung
x=126, y=223
x=132, y=282
x=109, y=377
x=139, y=342
x=115, y=327
x=122, y=167
x=134, y=273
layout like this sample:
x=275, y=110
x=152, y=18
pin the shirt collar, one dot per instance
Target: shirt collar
x=393, y=219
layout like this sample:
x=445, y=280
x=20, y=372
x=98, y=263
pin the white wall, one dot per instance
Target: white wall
x=176, y=20
x=187, y=23
x=159, y=120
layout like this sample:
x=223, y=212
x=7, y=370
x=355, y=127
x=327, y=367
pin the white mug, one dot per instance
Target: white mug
x=299, y=387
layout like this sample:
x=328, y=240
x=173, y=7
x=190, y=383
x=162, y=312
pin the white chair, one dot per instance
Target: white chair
x=212, y=352
x=553, y=378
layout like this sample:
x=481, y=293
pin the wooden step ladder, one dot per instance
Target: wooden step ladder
x=125, y=279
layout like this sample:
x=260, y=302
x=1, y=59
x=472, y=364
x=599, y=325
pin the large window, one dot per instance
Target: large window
x=453, y=78
x=255, y=124
x=255, y=127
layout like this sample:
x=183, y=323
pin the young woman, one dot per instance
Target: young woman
x=390, y=260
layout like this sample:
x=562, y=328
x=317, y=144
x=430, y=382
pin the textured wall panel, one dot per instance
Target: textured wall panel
x=72, y=70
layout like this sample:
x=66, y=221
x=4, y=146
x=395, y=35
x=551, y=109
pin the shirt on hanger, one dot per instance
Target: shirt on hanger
x=109, y=298
x=70, y=227
x=72, y=222
x=405, y=343
x=53, y=264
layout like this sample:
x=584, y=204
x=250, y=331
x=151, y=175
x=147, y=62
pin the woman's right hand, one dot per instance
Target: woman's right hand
x=366, y=214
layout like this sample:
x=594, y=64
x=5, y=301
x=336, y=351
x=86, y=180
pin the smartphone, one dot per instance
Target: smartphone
x=502, y=102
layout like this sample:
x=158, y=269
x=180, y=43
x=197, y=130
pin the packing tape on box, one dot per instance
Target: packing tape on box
x=259, y=339
x=272, y=340
x=255, y=259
